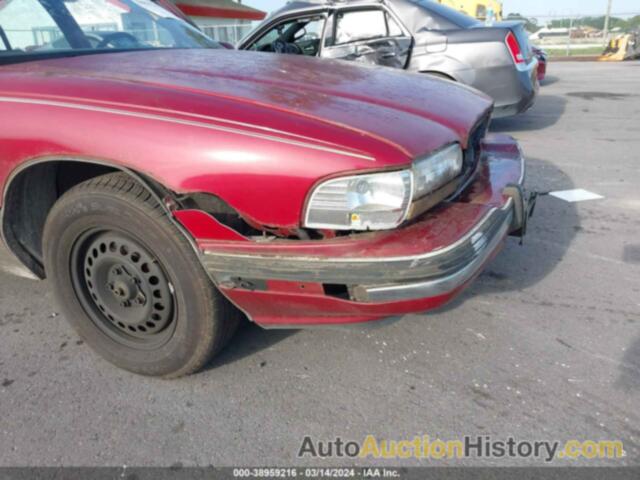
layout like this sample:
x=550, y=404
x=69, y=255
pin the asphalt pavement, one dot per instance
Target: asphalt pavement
x=545, y=345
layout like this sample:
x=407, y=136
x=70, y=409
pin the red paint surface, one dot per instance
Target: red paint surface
x=542, y=63
x=271, y=309
x=542, y=70
x=256, y=130
x=213, y=12
x=204, y=227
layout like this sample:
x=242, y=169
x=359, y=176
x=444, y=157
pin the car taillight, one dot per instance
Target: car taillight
x=514, y=48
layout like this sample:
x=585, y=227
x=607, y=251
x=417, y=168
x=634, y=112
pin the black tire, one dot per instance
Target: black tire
x=196, y=321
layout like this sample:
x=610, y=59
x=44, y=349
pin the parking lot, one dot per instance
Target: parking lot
x=545, y=345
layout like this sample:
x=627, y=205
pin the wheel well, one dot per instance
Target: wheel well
x=30, y=196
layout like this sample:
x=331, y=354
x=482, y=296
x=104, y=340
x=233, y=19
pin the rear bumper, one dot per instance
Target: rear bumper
x=375, y=275
x=521, y=96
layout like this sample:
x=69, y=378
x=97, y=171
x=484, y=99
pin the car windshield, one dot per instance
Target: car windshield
x=50, y=27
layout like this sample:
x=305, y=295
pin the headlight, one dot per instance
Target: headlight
x=380, y=201
x=436, y=170
x=363, y=202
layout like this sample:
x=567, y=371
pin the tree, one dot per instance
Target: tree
x=530, y=24
x=598, y=22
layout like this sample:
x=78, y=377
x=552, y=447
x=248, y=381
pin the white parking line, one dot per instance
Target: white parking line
x=576, y=195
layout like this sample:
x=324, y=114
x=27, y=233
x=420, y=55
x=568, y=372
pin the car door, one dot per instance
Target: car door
x=367, y=35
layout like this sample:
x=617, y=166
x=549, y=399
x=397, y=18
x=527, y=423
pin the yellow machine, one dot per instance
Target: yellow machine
x=623, y=47
x=475, y=8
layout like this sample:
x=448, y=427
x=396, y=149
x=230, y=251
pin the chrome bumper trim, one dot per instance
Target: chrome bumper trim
x=375, y=279
x=486, y=246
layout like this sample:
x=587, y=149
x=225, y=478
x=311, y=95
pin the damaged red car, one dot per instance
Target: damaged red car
x=166, y=187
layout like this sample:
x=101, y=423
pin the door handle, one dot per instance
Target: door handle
x=389, y=54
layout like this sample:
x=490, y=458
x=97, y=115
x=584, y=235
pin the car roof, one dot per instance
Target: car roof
x=293, y=5
x=413, y=13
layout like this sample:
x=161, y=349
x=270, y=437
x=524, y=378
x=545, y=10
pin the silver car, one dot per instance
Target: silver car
x=415, y=35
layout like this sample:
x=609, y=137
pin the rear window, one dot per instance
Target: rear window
x=446, y=18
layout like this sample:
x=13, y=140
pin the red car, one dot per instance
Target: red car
x=164, y=185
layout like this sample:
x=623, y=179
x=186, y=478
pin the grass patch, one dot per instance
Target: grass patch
x=578, y=52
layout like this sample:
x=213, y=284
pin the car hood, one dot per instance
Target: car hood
x=391, y=116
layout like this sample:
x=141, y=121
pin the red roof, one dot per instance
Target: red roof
x=219, y=9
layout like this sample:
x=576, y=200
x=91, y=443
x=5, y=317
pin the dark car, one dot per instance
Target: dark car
x=542, y=63
x=416, y=35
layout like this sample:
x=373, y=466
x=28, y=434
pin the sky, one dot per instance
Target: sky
x=538, y=8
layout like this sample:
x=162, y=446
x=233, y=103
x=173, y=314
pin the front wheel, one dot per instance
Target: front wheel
x=130, y=283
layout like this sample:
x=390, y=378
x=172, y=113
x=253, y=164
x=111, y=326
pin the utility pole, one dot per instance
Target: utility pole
x=569, y=40
x=605, y=34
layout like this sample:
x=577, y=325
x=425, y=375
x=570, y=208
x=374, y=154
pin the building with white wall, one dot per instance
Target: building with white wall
x=224, y=20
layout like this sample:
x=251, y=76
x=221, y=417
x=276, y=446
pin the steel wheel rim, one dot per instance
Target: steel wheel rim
x=123, y=288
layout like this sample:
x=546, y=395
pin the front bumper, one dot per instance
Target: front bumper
x=444, y=271
x=374, y=275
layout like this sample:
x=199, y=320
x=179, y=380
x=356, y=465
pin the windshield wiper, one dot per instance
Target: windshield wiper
x=5, y=39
